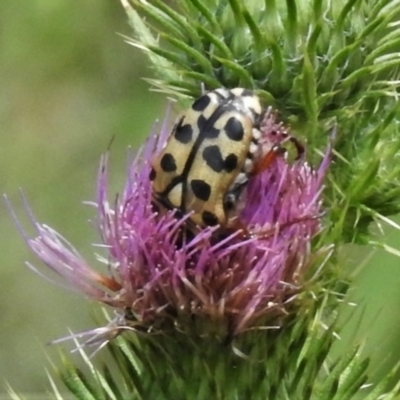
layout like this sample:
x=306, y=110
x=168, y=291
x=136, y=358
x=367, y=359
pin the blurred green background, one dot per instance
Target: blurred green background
x=68, y=84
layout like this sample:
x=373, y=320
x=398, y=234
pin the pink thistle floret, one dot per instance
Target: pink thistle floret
x=158, y=281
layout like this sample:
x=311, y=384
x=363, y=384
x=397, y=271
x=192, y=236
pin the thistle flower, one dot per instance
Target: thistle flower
x=157, y=281
x=188, y=297
x=207, y=304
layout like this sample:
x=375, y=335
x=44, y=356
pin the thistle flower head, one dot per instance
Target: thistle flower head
x=158, y=281
x=313, y=59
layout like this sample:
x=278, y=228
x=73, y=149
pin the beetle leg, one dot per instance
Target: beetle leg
x=269, y=158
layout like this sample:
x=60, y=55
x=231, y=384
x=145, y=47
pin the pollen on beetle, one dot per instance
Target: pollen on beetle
x=157, y=280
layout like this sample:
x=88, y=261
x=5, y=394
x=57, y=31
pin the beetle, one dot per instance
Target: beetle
x=207, y=160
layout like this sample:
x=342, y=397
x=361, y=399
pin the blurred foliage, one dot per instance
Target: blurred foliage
x=69, y=83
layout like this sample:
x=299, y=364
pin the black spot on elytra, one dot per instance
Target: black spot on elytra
x=234, y=129
x=209, y=218
x=168, y=163
x=184, y=133
x=213, y=157
x=208, y=132
x=230, y=162
x=201, y=103
x=152, y=174
x=201, y=189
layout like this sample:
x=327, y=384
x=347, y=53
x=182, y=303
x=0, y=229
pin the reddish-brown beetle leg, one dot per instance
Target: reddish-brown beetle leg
x=268, y=159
